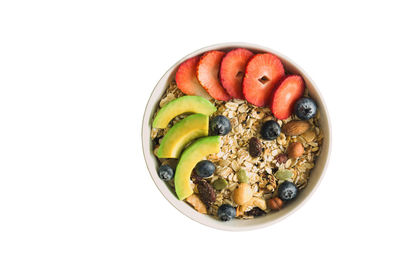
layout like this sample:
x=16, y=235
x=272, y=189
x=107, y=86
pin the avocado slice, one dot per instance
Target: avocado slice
x=186, y=130
x=184, y=104
x=189, y=158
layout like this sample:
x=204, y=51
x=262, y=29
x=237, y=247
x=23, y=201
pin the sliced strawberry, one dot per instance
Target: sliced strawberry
x=186, y=78
x=232, y=70
x=262, y=74
x=207, y=74
x=286, y=95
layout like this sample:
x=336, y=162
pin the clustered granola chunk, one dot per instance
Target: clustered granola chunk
x=246, y=121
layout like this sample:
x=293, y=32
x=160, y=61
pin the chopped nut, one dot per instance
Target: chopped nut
x=259, y=202
x=295, y=150
x=309, y=136
x=242, y=194
x=281, y=158
x=270, y=188
x=154, y=132
x=275, y=203
x=197, y=204
x=167, y=99
x=295, y=127
x=155, y=151
x=240, y=210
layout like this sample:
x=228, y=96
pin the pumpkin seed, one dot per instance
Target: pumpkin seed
x=242, y=176
x=220, y=184
x=283, y=174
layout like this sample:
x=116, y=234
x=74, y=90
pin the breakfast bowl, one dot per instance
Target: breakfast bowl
x=257, y=146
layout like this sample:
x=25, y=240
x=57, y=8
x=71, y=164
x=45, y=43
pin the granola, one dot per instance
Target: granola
x=234, y=157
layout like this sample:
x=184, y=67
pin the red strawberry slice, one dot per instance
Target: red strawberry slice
x=262, y=74
x=186, y=78
x=207, y=74
x=286, y=95
x=232, y=70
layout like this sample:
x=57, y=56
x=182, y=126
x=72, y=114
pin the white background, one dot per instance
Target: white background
x=74, y=80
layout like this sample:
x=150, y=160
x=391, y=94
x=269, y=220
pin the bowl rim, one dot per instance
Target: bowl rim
x=327, y=143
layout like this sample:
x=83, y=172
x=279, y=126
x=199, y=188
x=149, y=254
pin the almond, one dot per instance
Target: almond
x=295, y=150
x=295, y=127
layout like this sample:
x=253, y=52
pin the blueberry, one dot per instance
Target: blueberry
x=220, y=125
x=270, y=130
x=226, y=212
x=287, y=191
x=205, y=168
x=165, y=172
x=305, y=108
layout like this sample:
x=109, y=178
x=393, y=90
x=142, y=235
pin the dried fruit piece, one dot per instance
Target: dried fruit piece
x=220, y=184
x=293, y=128
x=275, y=203
x=197, y=204
x=281, y=158
x=295, y=150
x=195, y=177
x=283, y=174
x=255, y=147
x=206, y=192
x=256, y=212
x=242, y=176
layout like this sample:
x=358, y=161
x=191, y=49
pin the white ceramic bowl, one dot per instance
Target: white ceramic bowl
x=236, y=225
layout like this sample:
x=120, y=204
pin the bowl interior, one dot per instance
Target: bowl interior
x=235, y=225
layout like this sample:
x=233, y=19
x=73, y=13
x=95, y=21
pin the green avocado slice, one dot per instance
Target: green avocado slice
x=184, y=104
x=189, y=158
x=181, y=134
